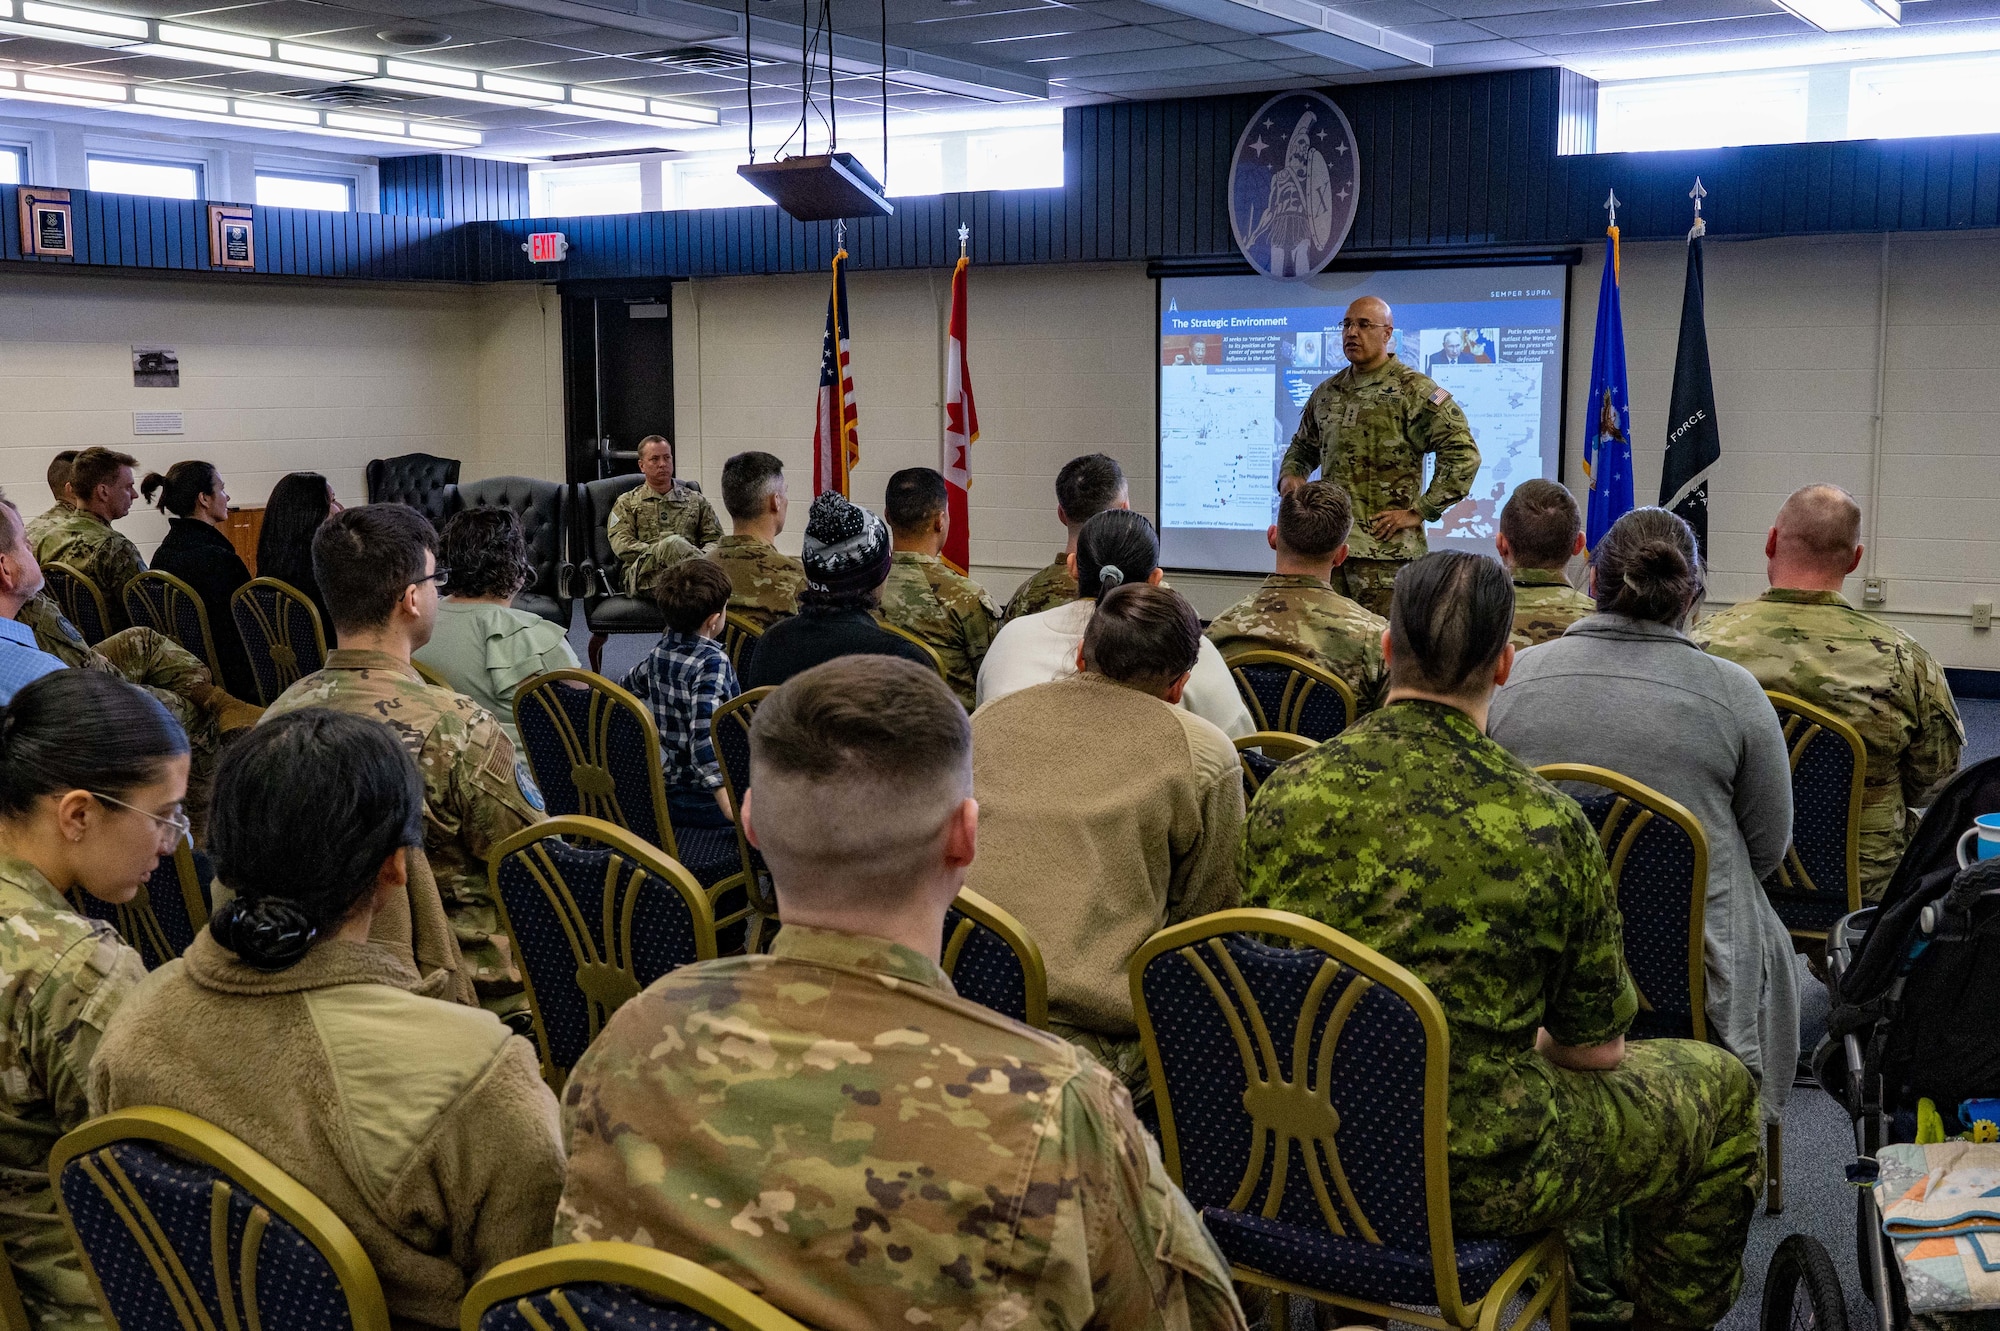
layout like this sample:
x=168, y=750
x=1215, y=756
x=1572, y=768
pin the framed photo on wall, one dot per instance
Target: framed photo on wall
x=232, y=238
x=47, y=229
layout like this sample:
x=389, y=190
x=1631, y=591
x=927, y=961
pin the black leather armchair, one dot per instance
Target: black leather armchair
x=606, y=607
x=416, y=479
x=543, y=508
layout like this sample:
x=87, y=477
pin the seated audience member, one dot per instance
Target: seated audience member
x=21, y=661
x=660, y=522
x=1114, y=548
x=1627, y=689
x=682, y=681
x=1135, y=829
x=1802, y=638
x=765, y=584
x=58, y=475
x=481, y=644
x=425, y=1125
x=1297, y=610
x=846, y=562
x=102, y=491
x=196, y=552
x=923, y=597
x=299, y=503
x=1540, y=532
x=804, y=1128
x=1085, y=487
x=1417, y=835
x=92, y=772
x=378, y=567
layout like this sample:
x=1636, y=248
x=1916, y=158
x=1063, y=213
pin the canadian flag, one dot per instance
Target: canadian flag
x=961, y=429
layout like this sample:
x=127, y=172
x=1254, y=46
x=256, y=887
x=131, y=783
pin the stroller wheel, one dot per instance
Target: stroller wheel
x=1802, y=1290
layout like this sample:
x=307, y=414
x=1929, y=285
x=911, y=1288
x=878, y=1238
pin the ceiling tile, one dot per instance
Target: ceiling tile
x=1677, y=34
x=1621, y=18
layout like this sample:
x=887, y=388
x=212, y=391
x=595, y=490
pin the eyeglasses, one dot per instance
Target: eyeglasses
x=183, y=829
x=441, y=578
x=1362, y=325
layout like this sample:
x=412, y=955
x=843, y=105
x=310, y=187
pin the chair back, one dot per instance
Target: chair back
x=543, y=508
x=614, y=1287
x=164, y=603
x=1819, y=879
x=593, y=515
x=281, y=634
x=992, y=960
x=936, y=658
x=595, y=915
x=739, y=639
x=595, y=751
x=1302, y=1089
x=81, y=600
x=730, y=730
x=432, y=676
x=180, y=1225
x=1658, y=855
x=1289, y=693
x=417, y=479
x=171, y=908
x=1261, y=754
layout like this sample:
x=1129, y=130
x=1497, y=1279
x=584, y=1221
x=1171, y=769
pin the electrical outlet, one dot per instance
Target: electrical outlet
x=1982, y=614
x=1874, y=591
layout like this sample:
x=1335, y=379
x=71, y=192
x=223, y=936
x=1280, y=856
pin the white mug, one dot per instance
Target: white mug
x=1986, y=827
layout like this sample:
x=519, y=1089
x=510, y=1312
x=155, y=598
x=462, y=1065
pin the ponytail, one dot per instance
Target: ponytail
x=1113, y=549
x=181, y=488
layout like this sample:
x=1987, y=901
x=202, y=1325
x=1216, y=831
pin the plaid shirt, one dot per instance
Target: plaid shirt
x=682, y=681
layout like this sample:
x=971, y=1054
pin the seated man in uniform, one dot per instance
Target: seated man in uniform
x=1416, y=834
x=101, y=489
x=1297, y=610
x=925, y=598
x=1803, y=638
x=1085, y=487
x=659, y=523
x=43, y=522
x=830, y=1125
x=1540, y=532
x=377, y=567
x=21, y=661
x=764, y=584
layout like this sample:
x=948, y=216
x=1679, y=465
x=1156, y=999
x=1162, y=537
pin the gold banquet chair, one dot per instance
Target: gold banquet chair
x=937, y=661
x=282, y=634
x=80, y=599
x=739, y=639
x=613, y=1287
x=162, y=602
x=1263, y=752
x=1819, y=879
x=171, y=907
x=1289, y=693
x=181, y=1225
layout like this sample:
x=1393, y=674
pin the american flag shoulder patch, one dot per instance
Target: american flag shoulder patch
x=1439, y=398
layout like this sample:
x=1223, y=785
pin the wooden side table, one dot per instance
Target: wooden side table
x=245, y=525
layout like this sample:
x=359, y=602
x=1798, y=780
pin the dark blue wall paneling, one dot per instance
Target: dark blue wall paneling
x=458, y=189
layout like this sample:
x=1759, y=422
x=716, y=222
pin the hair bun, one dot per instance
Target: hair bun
x=1108, y=577
x=1656, y=562
x=269, y=933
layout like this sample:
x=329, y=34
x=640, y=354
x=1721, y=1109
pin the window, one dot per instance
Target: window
x=13, y=165
x=711, y=184
x=1702, y=113
x=328, y=194
x=1030, y=157
x=1918, y=98
x=162, y=180
x=587, y=190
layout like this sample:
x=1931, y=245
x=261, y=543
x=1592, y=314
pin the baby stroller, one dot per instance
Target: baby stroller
x=1913, y=981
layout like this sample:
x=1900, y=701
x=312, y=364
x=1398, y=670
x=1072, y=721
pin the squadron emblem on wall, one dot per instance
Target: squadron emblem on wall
x=1294, y=185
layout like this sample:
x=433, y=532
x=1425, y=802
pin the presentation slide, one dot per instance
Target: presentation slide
x=1239, y=356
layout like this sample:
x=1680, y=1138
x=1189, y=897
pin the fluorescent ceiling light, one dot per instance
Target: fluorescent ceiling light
x=319, y=56
x=16, y=29
x=444, y=134
x=112, y=25
x=209, y=40
x=106, y=92
x=454, y=94
x=185, y=101
x=456, y=78
x=230, y=60
x=1847, y=15
x=698, y=115
x=542, y=92
x=6, y=78
x=613, y=101
x=365, y=124
x=290, y=115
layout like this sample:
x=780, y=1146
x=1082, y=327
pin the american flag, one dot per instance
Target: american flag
x=836, y=429
x=961, y=429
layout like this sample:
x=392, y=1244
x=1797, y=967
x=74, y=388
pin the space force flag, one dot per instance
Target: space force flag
x=1694, y=445
x=1607, y=449
x=836, y=426
x=961, y=429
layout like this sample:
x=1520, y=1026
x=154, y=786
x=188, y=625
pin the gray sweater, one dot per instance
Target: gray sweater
x=1643, y=700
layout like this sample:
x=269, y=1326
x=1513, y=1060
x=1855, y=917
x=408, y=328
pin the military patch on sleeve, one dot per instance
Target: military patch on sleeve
x=529, y=790
x=1439, y=398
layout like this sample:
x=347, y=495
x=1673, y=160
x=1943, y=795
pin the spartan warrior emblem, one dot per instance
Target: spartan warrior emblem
x=1299, y=217
x=1292, y=185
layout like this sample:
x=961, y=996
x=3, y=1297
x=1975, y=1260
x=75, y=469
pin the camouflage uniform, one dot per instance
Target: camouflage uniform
x=91, y=546
x=1817, y=647
x=66, y=975
x=1053, y=586
x=44, y=522
x=1545, y=605
x=649, y=532
x=833, y=1128
x=764, y=584
x=1369, y=432
x=476, y=794
x=1418, y=836
x=948, y=610
x=1292, y=612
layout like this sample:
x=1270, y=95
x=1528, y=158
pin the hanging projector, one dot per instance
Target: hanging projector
x=819, y=188
x=816, y=187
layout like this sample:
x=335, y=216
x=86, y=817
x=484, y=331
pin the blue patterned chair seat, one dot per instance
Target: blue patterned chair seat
x=1322, y=1260
x=1283, y=697
x=598, y=1307
x=985, y=968
x=708, y=852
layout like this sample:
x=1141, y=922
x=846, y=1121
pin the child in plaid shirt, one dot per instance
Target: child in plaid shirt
x=682, y=681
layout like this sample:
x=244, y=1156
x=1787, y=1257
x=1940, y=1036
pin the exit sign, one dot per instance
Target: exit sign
x=546, y=247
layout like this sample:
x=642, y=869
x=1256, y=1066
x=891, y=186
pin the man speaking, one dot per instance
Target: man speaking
x=1368, y=428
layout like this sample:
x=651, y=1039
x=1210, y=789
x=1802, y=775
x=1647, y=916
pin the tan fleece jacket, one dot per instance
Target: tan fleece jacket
x=425, y=1125
x=1104, y=815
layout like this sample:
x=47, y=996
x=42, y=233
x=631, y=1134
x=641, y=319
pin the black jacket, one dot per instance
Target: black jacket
x=795, y=645
x=201, y=556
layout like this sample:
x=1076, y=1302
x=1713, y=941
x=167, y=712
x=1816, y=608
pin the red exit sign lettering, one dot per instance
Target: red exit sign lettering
x=546, y=247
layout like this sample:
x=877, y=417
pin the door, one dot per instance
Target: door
x=618, y=373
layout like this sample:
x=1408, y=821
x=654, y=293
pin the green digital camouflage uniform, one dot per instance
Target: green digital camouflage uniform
x=1545, y=605
x=94, y=548
x=1047, y=589
x=1296, y=613
x=1420, y=837
x=833, y=1128
x=1817, y=647
x=649, y=532
x=946, y=609
x=45, y=522
x=764, y=584
x=1369, y=432
x=65, y=976
x=476, y=794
